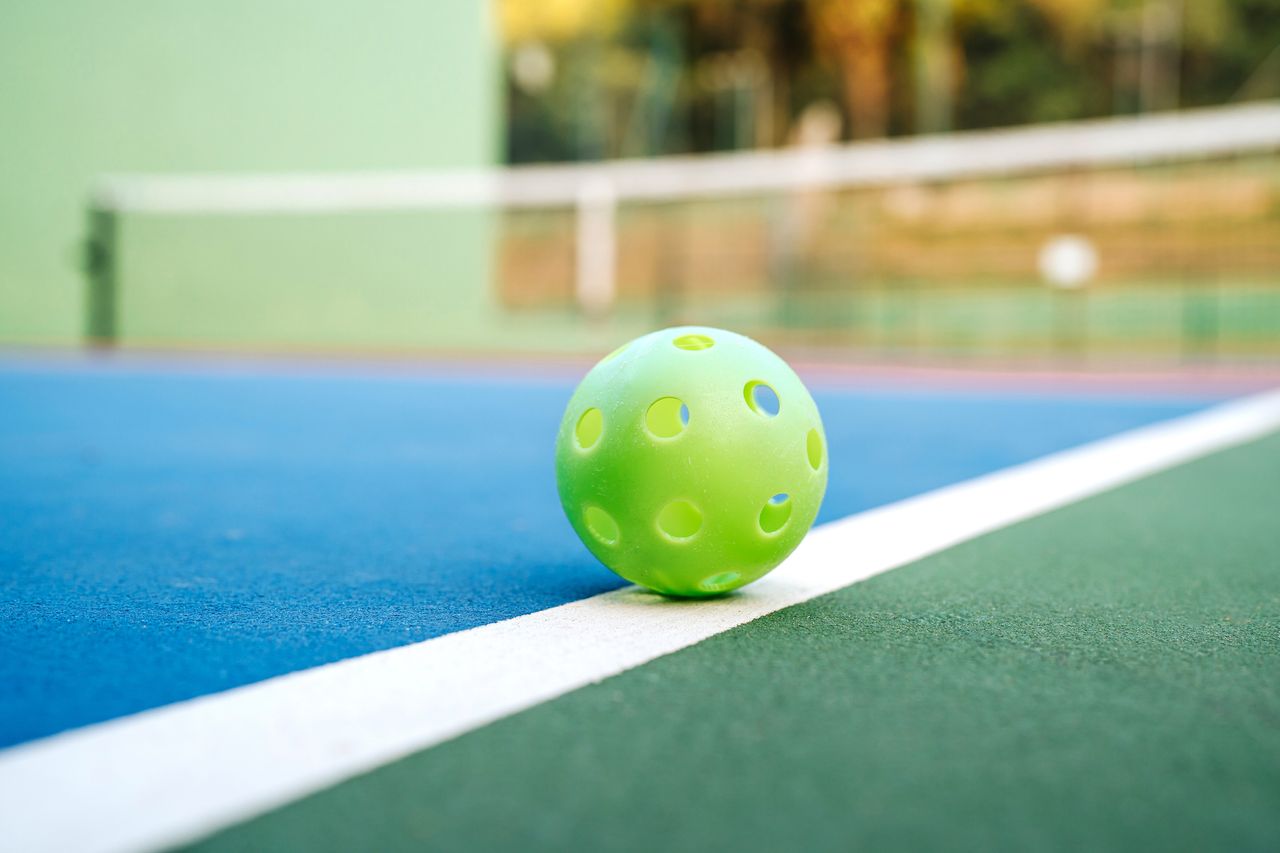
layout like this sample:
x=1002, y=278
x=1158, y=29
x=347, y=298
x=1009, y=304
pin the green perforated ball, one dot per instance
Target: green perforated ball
x=691, y=461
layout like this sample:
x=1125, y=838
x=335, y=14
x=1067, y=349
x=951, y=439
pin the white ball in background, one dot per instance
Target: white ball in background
x=533, y=66
x=1068, y=261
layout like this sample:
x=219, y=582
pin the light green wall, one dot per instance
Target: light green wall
x=88, y=87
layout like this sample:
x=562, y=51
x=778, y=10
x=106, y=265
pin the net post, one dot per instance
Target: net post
x=597, y=247
x=100, y=267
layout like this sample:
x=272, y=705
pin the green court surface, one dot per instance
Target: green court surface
x=1106, y=676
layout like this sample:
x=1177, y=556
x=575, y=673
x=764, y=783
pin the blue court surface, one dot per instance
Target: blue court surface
x=173, y=530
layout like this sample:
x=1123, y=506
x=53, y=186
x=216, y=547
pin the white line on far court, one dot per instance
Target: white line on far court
x=177, y=773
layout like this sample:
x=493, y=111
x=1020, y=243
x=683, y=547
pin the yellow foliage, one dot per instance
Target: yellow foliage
x=857, y=19
x=557, y=20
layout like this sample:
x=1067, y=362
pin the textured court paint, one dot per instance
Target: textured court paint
x=170, y=534
x=282, y=739
x=1105, y=677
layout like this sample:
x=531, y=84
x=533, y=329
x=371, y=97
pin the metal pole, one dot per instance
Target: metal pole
x=100, y=266
x=597, y=248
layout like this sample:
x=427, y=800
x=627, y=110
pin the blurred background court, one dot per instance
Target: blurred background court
x=1084, y=182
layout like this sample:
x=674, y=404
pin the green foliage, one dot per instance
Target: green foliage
x=680, y=75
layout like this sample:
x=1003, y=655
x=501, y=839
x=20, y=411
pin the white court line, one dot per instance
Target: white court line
x=177, y=773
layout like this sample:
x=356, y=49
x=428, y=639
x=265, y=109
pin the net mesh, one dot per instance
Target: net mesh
x=940, y=246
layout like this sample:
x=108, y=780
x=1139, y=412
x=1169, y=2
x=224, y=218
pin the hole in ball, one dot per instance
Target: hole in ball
x=776, y=513
x=601, y=525
x=679, y=519
x=813, y=449
x=694, y=342
x=666, y=417
x=762, y=399
x=589, y=429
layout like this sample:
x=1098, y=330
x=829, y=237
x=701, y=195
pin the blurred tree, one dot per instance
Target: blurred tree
x=1148, y=40
x=607, y=78
x=1232, y=51
x=935, y=60
x=858, y=36
x=558, y=20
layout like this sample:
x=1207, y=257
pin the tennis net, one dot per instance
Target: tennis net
x=1161, y=227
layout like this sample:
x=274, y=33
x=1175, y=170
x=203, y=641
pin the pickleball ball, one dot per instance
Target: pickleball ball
x=691, y=461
